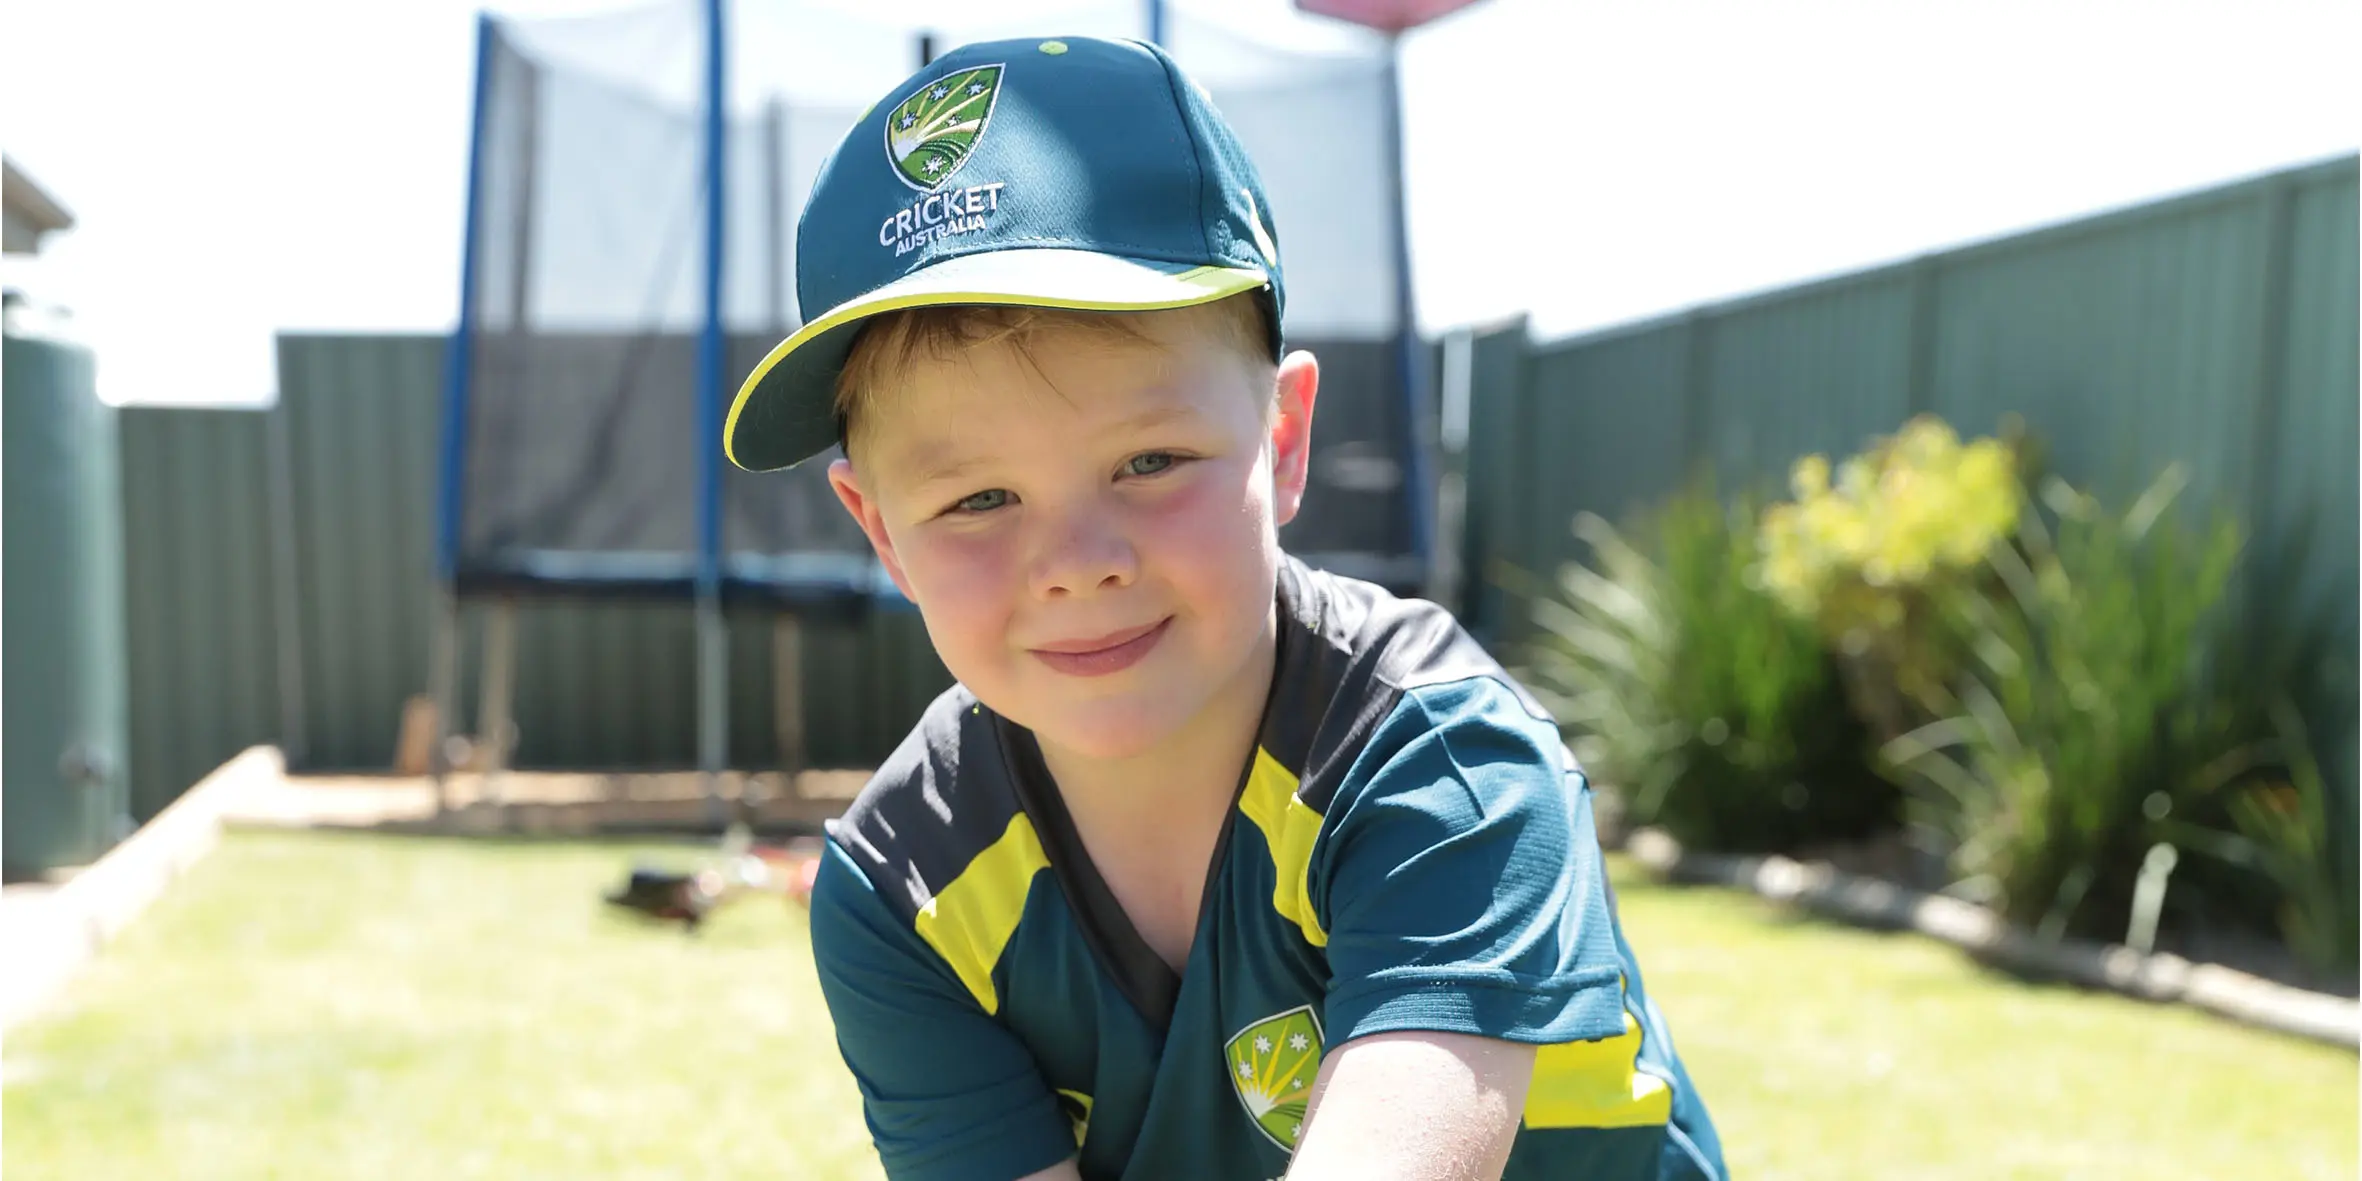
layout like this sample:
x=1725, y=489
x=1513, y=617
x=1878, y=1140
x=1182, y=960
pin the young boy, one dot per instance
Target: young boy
x=1211, y=865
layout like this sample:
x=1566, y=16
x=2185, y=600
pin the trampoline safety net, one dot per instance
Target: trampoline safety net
x=574, y=465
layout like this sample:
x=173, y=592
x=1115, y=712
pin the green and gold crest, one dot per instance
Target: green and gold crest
x=1272, y=1065
x=930, y=135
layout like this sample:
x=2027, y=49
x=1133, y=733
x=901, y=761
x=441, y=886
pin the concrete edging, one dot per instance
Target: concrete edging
x=60, y=933
x=2155, y=976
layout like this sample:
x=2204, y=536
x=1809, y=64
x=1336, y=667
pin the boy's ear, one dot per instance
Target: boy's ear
x=864, y=508
x=1291, y=433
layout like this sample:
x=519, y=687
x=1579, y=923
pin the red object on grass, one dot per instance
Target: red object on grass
x=1386, y=16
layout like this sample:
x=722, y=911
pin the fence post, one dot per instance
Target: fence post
x=286, y=581
x=1697, y=391
x=787, y=701
x=1919, y=388
x=1531, y=449
x=1447, y=572
x=2271, y=348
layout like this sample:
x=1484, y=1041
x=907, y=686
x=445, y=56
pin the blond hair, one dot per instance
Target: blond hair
x=891, y=342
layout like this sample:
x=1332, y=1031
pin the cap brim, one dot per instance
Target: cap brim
x=785, y=410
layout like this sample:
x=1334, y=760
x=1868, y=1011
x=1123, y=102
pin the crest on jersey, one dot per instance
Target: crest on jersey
x=933, y=132
x=1272, y=1065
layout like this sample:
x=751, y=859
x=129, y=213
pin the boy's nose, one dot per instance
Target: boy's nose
x=1083, y=552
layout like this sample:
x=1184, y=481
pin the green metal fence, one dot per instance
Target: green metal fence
x=281, y=566
x=2217, y=329
x=200, y=609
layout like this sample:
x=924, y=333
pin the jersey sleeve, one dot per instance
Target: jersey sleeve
x=949, y=1093
x=1461, y=880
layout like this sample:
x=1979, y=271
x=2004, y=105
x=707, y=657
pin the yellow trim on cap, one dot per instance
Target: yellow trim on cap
x=1203, y=284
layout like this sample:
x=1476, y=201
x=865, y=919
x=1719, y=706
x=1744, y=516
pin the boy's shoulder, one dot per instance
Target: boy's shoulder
x=1359, y=664
x=944, y=797
x=1345, y=637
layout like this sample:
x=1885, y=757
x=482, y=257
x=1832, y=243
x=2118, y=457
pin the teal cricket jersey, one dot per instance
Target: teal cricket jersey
x=1412, y=849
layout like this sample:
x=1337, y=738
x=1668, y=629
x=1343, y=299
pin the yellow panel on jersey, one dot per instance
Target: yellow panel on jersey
x=1289, y=827
x=970, y=919
x=1596, y=1085
x=1078, y=1112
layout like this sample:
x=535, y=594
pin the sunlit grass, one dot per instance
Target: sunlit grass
x=1827, y=1052
x=366, y=1007
x=345, y=1006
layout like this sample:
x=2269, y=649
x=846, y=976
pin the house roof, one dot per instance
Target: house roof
x=31, y=211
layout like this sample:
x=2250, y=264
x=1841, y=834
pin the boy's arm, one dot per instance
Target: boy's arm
x=950, y=1093
x=1468, y=924
x=1424, y=1106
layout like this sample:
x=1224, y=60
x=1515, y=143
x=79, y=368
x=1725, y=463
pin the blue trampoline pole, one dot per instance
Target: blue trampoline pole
x=713, y=707
x=458, y=356
x=1156, y=22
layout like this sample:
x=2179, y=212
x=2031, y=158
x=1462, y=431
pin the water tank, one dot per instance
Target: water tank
x=64, y=791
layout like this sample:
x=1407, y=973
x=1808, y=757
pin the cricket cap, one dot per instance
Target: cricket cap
x=1074, y=173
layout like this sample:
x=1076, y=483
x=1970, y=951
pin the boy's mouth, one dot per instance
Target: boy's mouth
x=1100, y=655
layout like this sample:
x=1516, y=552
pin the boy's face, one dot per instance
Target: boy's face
x=1092, y=534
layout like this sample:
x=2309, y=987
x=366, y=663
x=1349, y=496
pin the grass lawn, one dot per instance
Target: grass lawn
x=340, y=1006
x=1828, y=1052
x=346, y=1006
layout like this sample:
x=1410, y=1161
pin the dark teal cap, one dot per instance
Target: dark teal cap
x=1071, y=173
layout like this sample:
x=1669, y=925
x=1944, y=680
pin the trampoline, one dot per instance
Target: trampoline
x=634, y=183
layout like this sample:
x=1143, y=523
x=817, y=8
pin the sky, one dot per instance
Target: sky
x=247, y=166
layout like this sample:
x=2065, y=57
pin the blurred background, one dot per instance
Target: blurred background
x=1911, y=445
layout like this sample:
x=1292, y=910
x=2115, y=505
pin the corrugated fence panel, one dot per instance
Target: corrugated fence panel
x=361, y=415
x=2313, y=486
x=1600, y=429
x=199, y=610
x=605, y=685
x=1842, y=349
x=1496, y=395
x=614, y=685
x=2314, y=489
x=865, y=685
x=2126, y=342
x=2217, y=329
x=754, y=722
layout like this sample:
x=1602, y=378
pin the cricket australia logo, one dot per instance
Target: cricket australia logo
x=931, y=134
x=1272, y=1065
x=930, y=137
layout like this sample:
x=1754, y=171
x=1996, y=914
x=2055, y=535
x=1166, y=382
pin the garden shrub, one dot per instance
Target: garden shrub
x=1703, y=705
x=1872, y=557
x=2044, y=688
x=2086, y=714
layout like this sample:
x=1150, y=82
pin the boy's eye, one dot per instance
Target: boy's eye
x=982, y=502
x=1149, y=463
